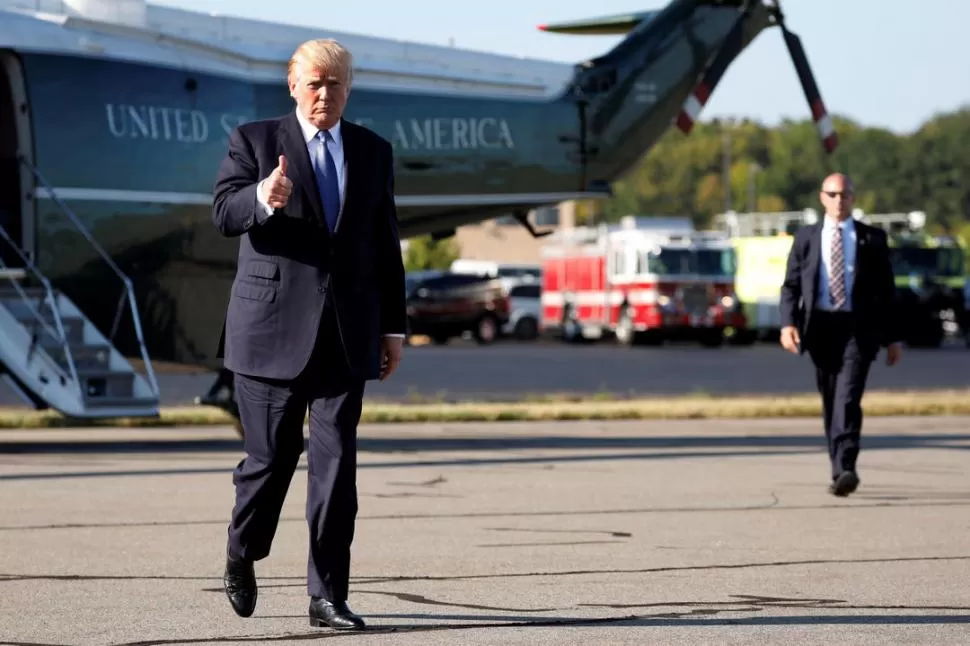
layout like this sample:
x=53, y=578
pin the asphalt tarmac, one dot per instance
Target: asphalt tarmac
x=511, y=370
x=515, y=370
x=552, y=533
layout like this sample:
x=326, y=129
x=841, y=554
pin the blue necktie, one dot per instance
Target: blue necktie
x=326, y=172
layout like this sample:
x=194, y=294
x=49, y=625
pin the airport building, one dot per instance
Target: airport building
x=504, y=239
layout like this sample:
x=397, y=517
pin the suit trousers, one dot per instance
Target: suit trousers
x=272, y=413
x=842, y=365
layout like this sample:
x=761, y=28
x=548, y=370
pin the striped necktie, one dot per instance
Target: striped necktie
x=837, y=270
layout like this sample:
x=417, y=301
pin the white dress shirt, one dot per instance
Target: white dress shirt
x=848, y=253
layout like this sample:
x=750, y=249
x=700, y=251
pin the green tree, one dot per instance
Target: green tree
x=927, y=170
x=425, y=253
x=935, y=172
x=710, y=194
x=770, y=204
x=587, y=212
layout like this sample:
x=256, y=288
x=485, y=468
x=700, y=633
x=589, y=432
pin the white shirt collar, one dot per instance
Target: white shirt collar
x=310, y=131
x=845, y=225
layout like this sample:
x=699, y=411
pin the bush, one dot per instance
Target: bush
x=424, y=253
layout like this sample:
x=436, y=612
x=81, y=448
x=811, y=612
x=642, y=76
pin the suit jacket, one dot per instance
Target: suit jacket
x=290, y=264
x=873, y=288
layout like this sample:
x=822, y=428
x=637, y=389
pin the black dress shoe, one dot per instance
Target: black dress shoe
x=844, y=484
x=335, y=615
x=240, y=583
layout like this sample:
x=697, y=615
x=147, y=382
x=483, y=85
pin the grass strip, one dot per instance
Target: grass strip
x=875, y=403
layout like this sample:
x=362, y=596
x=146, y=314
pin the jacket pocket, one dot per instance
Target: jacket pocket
x=251, y=292
x=263, y=269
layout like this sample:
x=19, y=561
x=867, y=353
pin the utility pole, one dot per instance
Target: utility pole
x=726, y=171
x=753, y=171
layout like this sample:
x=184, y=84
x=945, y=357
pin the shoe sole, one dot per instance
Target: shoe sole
x=320, y=623
x=844, y=486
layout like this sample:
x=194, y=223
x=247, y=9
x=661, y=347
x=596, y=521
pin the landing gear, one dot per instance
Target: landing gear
x=224, y=381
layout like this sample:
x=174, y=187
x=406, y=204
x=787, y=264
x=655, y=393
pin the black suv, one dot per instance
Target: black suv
x=451, y=304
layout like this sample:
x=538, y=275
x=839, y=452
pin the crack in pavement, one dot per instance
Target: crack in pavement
x=529, y=530
x=4, y=577
x=670, y=568
x=420, y=599
x=773, y=506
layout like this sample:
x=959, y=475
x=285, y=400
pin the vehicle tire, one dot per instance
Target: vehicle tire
x=526, y=329
x=440, y=339
x=624, y=332
x=712, y=338
x=744, y=337
x=571, y=331
x=654, y=338
x=929, y=335
x=486, y=330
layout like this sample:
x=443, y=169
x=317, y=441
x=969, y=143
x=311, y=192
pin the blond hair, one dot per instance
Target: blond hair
x=325, y=55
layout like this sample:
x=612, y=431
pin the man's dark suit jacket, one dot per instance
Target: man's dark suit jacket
x=290, y=263
x=873, y=292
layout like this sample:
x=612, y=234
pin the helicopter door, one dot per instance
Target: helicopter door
x=15, y=205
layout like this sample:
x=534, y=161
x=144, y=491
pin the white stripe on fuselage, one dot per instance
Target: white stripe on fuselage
x=167, y=197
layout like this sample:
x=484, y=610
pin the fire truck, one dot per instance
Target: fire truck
x=643, y=281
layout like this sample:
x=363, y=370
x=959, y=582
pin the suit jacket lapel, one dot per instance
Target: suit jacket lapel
x=298, y=158
x=351, y=168
x=861, y=236
x=814, y=261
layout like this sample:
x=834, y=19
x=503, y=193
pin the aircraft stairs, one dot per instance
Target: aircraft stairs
x=54, y=356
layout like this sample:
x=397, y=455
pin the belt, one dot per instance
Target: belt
x=830, y=312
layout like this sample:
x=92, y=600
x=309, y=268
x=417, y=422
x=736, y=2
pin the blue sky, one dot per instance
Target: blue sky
x=881, y=62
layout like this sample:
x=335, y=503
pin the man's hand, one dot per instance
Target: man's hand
x=391, y=349
x=790, y=338
x=894, y=352
x=277, y=187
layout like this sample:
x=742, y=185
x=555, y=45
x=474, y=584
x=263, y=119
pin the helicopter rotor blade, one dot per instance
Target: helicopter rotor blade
x=823, y=122
x=730, y=49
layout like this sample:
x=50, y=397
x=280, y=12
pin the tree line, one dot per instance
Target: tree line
x=745, y=165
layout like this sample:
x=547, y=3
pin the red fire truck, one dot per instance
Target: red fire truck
x=646, y=280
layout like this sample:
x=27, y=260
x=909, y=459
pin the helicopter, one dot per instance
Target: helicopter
x=118, y=198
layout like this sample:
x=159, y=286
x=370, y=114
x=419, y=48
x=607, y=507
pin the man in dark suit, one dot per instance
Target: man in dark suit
x=316, y=309
x=837, y=303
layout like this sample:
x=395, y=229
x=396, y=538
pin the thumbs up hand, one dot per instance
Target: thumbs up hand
x=277, y=187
